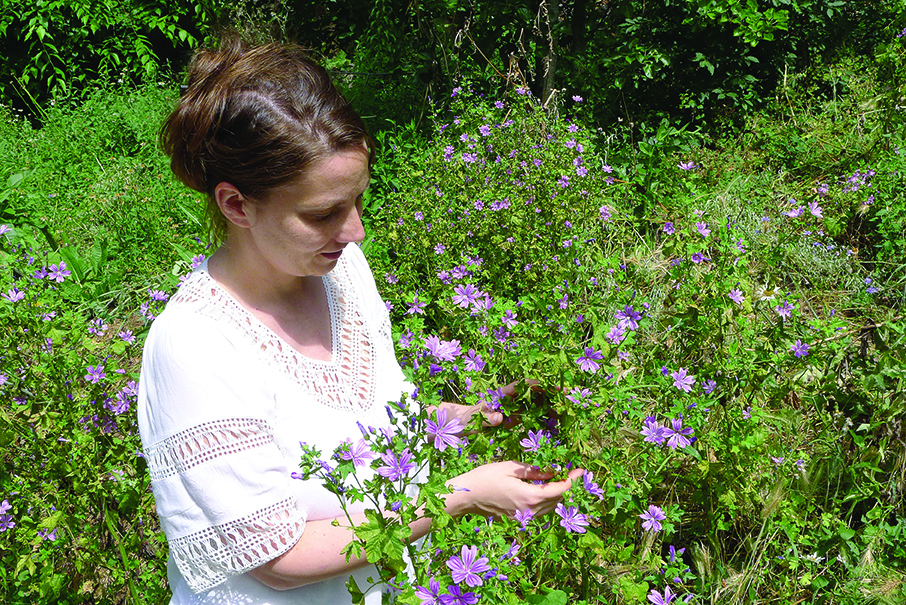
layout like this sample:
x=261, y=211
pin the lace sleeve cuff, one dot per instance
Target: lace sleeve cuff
x=208, y=557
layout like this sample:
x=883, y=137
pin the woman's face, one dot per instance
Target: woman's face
x=300, y=229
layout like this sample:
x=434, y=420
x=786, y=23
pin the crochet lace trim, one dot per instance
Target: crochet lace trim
x=346, y=382
x=208, y=557
x=205, y=442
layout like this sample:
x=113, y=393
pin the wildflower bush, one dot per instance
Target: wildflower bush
x=734, y=420
x=712, y=331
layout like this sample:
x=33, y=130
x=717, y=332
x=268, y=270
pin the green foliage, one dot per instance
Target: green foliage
x=93, y=177
x=55, y=49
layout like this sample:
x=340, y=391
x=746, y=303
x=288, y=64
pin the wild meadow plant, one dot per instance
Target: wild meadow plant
x=733, y=429
x=77, y=521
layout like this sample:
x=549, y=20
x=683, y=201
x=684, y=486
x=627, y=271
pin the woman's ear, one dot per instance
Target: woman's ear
x=237, y=208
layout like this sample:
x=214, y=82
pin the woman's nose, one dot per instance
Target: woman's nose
x=353, y=230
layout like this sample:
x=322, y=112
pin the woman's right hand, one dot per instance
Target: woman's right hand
x=503, y=488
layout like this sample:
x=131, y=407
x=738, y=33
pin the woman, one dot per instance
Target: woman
x=279, y=338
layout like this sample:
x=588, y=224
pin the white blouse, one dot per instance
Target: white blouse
x=224, y=403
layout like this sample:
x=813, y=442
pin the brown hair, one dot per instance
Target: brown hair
x=257, y=117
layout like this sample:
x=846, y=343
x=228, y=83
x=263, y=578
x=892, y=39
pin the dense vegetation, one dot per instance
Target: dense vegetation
x=709, y=292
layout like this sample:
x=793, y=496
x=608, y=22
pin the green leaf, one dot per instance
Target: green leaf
x=554, y=597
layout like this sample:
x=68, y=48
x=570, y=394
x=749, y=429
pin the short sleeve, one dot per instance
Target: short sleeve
x=220, y=480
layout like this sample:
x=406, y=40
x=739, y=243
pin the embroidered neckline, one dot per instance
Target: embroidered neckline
x=346, y=382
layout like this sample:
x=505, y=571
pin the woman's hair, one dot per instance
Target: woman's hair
x=257, y=117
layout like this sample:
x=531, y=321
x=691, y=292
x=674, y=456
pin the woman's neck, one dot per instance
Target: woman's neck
x=258, y=288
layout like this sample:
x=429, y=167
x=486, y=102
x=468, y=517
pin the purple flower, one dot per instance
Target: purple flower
x=485, y=303
x=97, y=326
x=458, y=597
x=534, y=441
x=605, y=213
x=702, y=227
x=579, y=396
x=509, y=319
x=661, y=598
x=524, y=517
x=736, y=296
x=699, y=258
x=785, y=310
x=48, y=535
x=467, y=566
x=795, y=212
x=675, y=553
x=669, y=229
x=396, y=467
x=474, y=362
x=628, y=318
x=415, y=306
x=815, y=209
x=126, y=336
x=800, y=349
x=95, y=374
x=5, y=229
x=588, y=362
x=465, y=295
x=616, y=335
x=682, y=380
x=197, y=261
x=157, y=295
x=443, y=350
x=445, y=433
x=653, y=432
x=14, y=295
x=652, y=518
x=690, y=165
x=58, y=273
x=708, y=386
x=571, y=518
x=591, y=487
x=359, y=453
x=677, y=437
x=429, y=595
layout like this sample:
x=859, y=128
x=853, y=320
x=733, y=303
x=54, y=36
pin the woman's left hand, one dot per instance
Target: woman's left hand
x=464, y=413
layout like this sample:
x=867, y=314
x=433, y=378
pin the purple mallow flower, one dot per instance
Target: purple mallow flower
x=677, y=436
x=457, y=597
x=736, y=296
x=628, y=318
x=588, y=362
x=14, y=295
x=465, y=295
x=524, y=517
x=534, y=441
x=651, y=519
x=416, y=306
x=571, y=518
x=443, y=350
x=474, y=362
x=359, y=453
x=661, y=598
x=396, y=468
x=682, y=380
x=653, y=432
x=799, y=349
x=429, y=595
x=445, y=433
x=467, y=566
x=785, y=310
x=95, y=374
x=58, y=273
